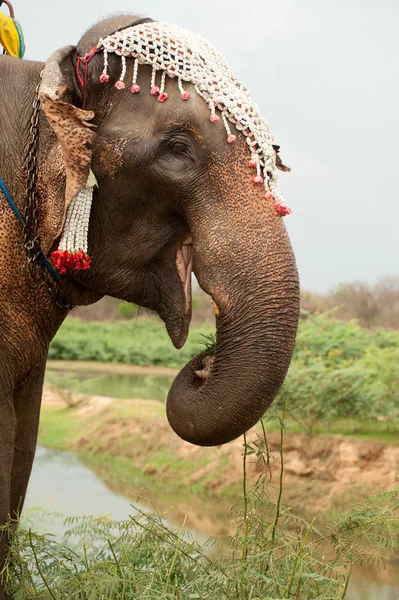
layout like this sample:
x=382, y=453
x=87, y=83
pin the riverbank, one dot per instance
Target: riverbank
x=130, y=445
x=342, y=378
x=104, y=368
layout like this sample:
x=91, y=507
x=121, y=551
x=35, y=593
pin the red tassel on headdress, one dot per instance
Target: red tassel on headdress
x=77, y=261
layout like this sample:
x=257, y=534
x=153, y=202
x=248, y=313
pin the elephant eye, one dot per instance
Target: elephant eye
x=179, y=148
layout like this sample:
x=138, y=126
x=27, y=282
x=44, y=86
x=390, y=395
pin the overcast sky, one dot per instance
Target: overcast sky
x=326, y=77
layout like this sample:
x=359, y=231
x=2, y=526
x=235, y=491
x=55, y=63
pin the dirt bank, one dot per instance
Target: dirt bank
x=131, y=437
x=87, y=366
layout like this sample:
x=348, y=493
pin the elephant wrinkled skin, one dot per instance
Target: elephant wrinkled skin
x=172, y=195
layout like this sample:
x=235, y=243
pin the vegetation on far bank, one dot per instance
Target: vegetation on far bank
x=340, y=373
x=142, y=341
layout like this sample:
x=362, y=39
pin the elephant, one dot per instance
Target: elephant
x=172, y=196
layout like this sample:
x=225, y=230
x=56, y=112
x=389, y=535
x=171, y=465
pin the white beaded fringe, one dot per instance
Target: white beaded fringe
x=75, y=234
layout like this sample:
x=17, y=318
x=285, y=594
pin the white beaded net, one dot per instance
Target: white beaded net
x=182, y=54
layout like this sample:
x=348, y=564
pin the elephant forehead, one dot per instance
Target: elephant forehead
x=183, y=55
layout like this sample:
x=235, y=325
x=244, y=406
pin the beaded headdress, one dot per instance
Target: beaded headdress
x=183, y=55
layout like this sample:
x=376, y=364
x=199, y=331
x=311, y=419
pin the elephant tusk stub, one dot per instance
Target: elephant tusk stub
x=184, y=263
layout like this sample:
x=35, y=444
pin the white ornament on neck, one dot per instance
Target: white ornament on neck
x=72, y=250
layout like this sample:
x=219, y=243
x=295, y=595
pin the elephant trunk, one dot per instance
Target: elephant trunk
x=243, y=259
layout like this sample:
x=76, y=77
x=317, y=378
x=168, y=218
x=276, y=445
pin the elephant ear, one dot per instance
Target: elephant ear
x=75, y=136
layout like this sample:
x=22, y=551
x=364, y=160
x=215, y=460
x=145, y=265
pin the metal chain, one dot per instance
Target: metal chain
x=45, y=278
x=32, y=215
x=31, y=229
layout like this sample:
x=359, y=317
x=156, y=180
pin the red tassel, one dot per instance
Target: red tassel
x=64, y=260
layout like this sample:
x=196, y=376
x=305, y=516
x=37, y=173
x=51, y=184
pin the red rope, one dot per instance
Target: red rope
x=10, y=8
x=83, y=62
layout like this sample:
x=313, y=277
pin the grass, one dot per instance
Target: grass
x=56, y=428
x=359, y=429
x=271, y=554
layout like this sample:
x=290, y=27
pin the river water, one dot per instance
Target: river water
x=147, y=387
x=62, y=483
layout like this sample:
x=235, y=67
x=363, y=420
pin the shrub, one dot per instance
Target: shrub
x=342, y=370
x=138, y=342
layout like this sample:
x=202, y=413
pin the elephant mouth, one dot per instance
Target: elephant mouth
x=174, y=291
x=184, y=263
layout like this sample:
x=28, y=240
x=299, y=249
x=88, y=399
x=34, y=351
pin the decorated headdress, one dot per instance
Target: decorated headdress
x=183, y=55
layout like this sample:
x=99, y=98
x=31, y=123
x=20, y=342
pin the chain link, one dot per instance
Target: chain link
x=31, y=229
x=32, y=215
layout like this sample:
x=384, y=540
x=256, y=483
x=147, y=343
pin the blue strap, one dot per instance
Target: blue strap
x=20, y=218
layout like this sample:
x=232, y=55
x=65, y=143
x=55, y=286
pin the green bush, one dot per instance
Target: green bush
x=340, y=370
x=335, y=341
x=136, y=342
x=128, y=310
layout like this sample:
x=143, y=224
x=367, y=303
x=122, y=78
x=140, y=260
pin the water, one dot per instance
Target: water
x=364, y=587
x=147, y=387
x=62, y=483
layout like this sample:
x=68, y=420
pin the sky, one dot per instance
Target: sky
x=326, y=77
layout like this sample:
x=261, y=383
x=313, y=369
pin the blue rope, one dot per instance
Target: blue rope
x=20, y=218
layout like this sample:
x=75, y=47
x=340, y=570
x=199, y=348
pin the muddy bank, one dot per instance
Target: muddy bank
x=129, y=439
x=86, y=366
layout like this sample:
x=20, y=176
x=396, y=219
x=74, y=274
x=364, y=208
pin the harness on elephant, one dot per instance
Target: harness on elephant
x=12, y=40
x=30, y=220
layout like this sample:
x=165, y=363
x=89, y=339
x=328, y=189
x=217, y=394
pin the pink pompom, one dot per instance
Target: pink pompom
x=214, y=118
x=135, y=88
x=258, y=179
x=162, y=97
x=231, y=138
x=104, y=77
x=282, y=208
x=268, y=194
x=154, y=90
x=120, y=85
x=185, y=95
x=253, y=162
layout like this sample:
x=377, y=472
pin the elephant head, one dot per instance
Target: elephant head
x=173, y=195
